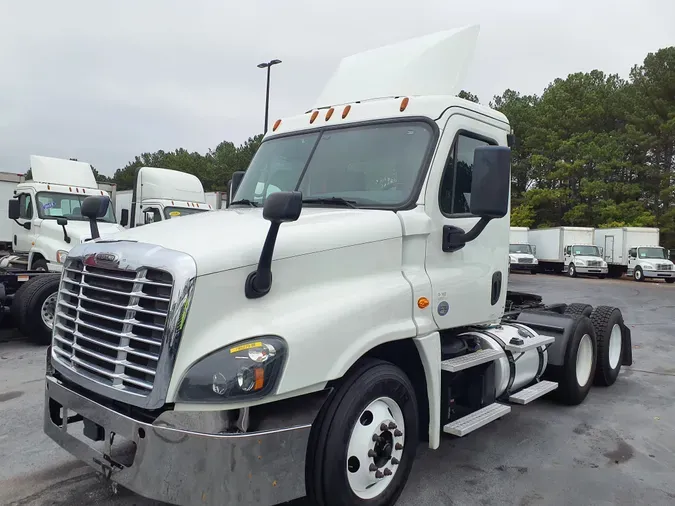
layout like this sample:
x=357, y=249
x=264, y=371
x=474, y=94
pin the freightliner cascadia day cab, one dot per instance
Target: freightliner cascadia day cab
x=635, y=251
x=159, y=195
x=570, y=250
x=302, y=341
x=521, y=252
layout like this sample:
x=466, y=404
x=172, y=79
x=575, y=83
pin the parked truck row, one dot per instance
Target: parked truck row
x=613, y=252
x=43, y=222
x=364, y=253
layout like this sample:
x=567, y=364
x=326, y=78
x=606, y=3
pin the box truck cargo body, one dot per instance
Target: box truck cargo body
x=8, y=183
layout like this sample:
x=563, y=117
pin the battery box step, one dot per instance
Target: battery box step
x=529, y=394
x=477, y=419
x=470, y=360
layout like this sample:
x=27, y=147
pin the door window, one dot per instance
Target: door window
x=151, y=215
x=26, y=206
x=632, y=253
x=455, y=191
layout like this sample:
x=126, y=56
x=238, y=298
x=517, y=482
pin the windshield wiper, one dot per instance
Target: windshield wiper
x=245, y=202
x=331, y=200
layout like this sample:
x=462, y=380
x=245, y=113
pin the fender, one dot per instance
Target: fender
x=429, y=348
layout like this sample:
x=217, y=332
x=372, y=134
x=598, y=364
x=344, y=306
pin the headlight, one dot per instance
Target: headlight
x=604, y=264
x=61, y=256
x=512, y=259
x=535, y=261
x=648, y=267
x=580, y=262
x=246, y=370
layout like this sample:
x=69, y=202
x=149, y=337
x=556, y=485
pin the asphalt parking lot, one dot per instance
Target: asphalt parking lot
x=617, y=448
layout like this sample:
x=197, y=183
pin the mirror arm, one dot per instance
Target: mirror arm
x=93, y=227
x=259, y=282
x=455, y=238
x=65, y=235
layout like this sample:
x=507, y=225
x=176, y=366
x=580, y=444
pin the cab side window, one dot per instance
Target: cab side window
x=632, y=253
x=455, y=191
x=151, y=215
x=26, y=207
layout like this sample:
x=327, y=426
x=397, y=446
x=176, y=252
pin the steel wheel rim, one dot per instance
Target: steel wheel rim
x=571, y=270
x=584, y=360
x=638, y=274
x=375, y=448
x=615, y=346
x=47, y=311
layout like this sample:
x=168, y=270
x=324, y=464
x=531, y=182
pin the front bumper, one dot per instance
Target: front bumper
x=659, y=274
x=179, y=466
x=591, y=270
x=523, y=267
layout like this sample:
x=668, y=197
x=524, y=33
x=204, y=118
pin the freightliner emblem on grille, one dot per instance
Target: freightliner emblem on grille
x=108, y=258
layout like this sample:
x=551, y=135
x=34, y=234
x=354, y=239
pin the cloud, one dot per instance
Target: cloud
x=103, y=81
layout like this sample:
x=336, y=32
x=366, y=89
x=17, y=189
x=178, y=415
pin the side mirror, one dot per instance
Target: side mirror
x=534, y=250
x=14, y=209
x=94, y=208
x=602, y=251
x=62, y=222
x=490, y=189
x=280, y=207
x=233, y=185
x=124, y=219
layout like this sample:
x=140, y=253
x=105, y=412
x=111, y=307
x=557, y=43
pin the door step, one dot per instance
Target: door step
x=529, y=394
x=470, y=360
x=529, y=343
x=477, y=419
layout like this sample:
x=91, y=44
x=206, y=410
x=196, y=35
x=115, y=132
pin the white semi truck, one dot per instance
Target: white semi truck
x=521, y=253
x=635, y=251
x=570, y=250
x=158, y=195
x=303, y=340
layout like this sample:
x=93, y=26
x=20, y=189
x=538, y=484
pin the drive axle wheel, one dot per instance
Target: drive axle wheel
x=363, y=442
x=578, y=309
x=608, y=323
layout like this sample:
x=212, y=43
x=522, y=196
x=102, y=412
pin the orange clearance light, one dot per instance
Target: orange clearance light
x=48, y=187
x=346, y=110
x=259, y=378
x=422, y=303
x=404, y=103
x=70, y=189
x=276, y=125
x=314, y=115
x=329, y=113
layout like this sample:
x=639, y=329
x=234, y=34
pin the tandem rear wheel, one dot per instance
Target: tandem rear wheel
x=363, y=442
x=34, y=307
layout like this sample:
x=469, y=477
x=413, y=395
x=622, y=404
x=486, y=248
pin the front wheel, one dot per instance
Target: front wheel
x=638, y=274
x=670, y=280
x=572, y=271
x=363, y=443
x=37, y=307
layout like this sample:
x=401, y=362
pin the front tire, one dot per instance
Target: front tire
x=37, y=307
x=575, y=376
x=40, y=265
x=638, y=275
x=670, y=280
x=608, y=323
x=572, y=271
x=363, y=443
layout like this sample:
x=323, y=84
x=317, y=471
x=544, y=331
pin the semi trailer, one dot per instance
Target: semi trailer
x=351, y=304
x=635, y=251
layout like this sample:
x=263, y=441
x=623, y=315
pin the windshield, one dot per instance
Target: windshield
x=589, y=251
x=175, y=212
x=371, y=166
x=659, y=253
x=67, y=205
x=520, y=248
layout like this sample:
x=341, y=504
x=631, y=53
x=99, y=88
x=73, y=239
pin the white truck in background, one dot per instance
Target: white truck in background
x=571, y=250
x=521, y=253
x=635, y=251
x=158, y=195
x=366, y=306
x=8, y=183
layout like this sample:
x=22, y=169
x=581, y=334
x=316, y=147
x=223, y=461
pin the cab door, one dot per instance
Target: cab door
x=24, y=239
x=469, y=285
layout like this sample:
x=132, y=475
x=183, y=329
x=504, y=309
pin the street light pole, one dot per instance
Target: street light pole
x=268, y=65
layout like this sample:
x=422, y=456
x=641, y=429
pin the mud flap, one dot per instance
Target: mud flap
x=627, y=345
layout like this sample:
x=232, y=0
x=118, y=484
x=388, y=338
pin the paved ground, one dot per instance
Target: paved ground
x=616, y=448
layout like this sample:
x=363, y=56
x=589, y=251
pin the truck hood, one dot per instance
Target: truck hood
x=521, y=255
x=654, y=261
x=78, y=231
x=233, y=238
x=587, y=258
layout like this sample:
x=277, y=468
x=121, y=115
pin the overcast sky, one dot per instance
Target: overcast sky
x=104, y=80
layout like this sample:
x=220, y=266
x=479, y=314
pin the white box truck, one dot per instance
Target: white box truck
x=635, y=251
x=568, y=249
x=303, y=340
x=8, y=183
x=158, y=195
x=521, y=253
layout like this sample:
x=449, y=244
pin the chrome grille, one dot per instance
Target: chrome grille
x=110, y=323
x=664, y=267
x=524, y=260
x=594, y=263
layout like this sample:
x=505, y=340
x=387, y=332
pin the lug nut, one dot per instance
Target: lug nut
x=372, y=454
x=398, y=433
x=395, y=461
x=392, y=425
x=376, y=438
x=398, y=446
x=387, y=471
x=379, y=475
x=372, y=468
x=383, y=427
